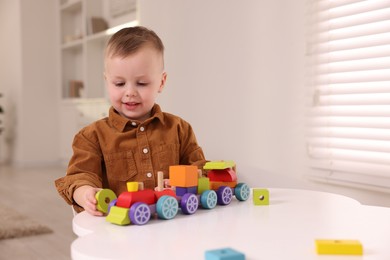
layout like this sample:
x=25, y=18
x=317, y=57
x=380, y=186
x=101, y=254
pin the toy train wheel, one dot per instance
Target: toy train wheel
x=139, y=213
x=167, y=207
x=225, y=195
x=189, y=203
x=112, y=203
x=242, y=191
x=208, y=199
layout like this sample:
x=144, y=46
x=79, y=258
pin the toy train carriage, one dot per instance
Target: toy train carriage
x=188, y=189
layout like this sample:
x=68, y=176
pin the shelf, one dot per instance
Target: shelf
x=81, y=53
x=70, y=5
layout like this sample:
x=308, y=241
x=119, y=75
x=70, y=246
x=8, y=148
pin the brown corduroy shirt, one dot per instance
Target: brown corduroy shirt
x=113, y=151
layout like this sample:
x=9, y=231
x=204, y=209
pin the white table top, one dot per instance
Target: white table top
x=286, y=229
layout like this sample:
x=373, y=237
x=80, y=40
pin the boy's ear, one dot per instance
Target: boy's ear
x=163, y=80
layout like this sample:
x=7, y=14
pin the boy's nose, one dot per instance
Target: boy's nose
x=131, y=92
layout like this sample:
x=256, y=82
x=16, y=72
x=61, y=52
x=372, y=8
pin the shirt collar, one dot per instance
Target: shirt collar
x=119, y=122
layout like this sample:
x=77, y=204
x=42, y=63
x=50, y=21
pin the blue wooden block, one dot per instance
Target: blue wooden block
x=180, y=191
x=224, y=254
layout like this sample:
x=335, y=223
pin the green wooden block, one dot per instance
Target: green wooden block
x=203, y=184
x=119, y=216
x=260, y=197
x=218, y=165
x=104, y=197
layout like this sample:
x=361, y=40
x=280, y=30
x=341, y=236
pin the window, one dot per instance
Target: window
x=348, y=77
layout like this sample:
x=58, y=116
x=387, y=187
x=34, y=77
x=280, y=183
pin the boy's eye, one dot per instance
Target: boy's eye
x=140, y=83
x=119, y=84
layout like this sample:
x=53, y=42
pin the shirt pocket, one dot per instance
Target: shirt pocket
x=168, y=154
x=120, y=166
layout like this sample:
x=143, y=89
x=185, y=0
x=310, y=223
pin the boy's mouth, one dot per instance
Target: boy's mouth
x=131, y=105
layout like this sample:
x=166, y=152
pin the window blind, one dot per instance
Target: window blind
x=348, y=80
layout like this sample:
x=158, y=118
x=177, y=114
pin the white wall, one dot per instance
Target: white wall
x=236, y=73
x=10, y=69
x=29, y=77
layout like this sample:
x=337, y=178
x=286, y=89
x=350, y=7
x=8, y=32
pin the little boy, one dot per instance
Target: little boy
x=137, y=139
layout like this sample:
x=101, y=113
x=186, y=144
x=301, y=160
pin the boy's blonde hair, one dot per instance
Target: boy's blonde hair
x=129, y=40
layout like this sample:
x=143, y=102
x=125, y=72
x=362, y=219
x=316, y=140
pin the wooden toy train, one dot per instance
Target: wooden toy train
x=187, y=188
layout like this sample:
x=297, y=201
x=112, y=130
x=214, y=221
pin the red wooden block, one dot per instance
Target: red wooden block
x=169, y=192
x=226, y=175
x=126, y=199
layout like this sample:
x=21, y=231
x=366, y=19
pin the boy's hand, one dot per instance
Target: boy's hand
x=85, y=197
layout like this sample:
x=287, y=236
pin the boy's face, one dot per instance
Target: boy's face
x=133, y=82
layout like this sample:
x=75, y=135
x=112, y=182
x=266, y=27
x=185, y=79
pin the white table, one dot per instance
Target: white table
x=286, y=229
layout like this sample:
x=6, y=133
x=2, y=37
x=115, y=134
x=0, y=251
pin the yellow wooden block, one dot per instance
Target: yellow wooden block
x=338, y=247
x=132, y=186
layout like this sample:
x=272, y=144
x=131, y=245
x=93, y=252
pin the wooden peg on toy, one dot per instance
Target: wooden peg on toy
x=160, y=181
x=140, y=186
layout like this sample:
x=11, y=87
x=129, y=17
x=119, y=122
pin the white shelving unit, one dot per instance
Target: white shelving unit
x=81, y=54
x=82, y=49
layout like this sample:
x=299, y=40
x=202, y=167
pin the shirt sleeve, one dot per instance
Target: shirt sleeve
x=190, y=152
x=85, y=166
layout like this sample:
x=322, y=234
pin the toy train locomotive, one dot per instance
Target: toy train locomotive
x=187, y=189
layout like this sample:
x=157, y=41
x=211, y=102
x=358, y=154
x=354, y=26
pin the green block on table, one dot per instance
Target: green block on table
x=119, y=216
x=219, y=165
x=260, y=197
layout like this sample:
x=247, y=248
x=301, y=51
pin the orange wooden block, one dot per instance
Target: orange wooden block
x=183, y=175
x=214, y=185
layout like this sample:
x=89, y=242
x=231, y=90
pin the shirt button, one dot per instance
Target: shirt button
x=149, y=174
x=133, y=123
x=142, y=128
x=145, y=150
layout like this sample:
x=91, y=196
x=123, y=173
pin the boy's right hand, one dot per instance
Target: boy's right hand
x=85, y=197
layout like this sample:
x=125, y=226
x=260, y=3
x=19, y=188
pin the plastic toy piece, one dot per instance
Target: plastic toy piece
x=242, y=191
x=260, y=197
x=209, y=199
x=104, y=197
x=160, y=181
x=140, y=213
x=224, y=254
x=119, y=216
x=167, y=207
x=183, y=175
x=132, y=186
x=126, y=199
x=214, y=185
x=219, y=165
x=339, y=247
x=169, y=192
x=180, y=191
x=189, y=203
x=203, y=184
x=225, y=195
